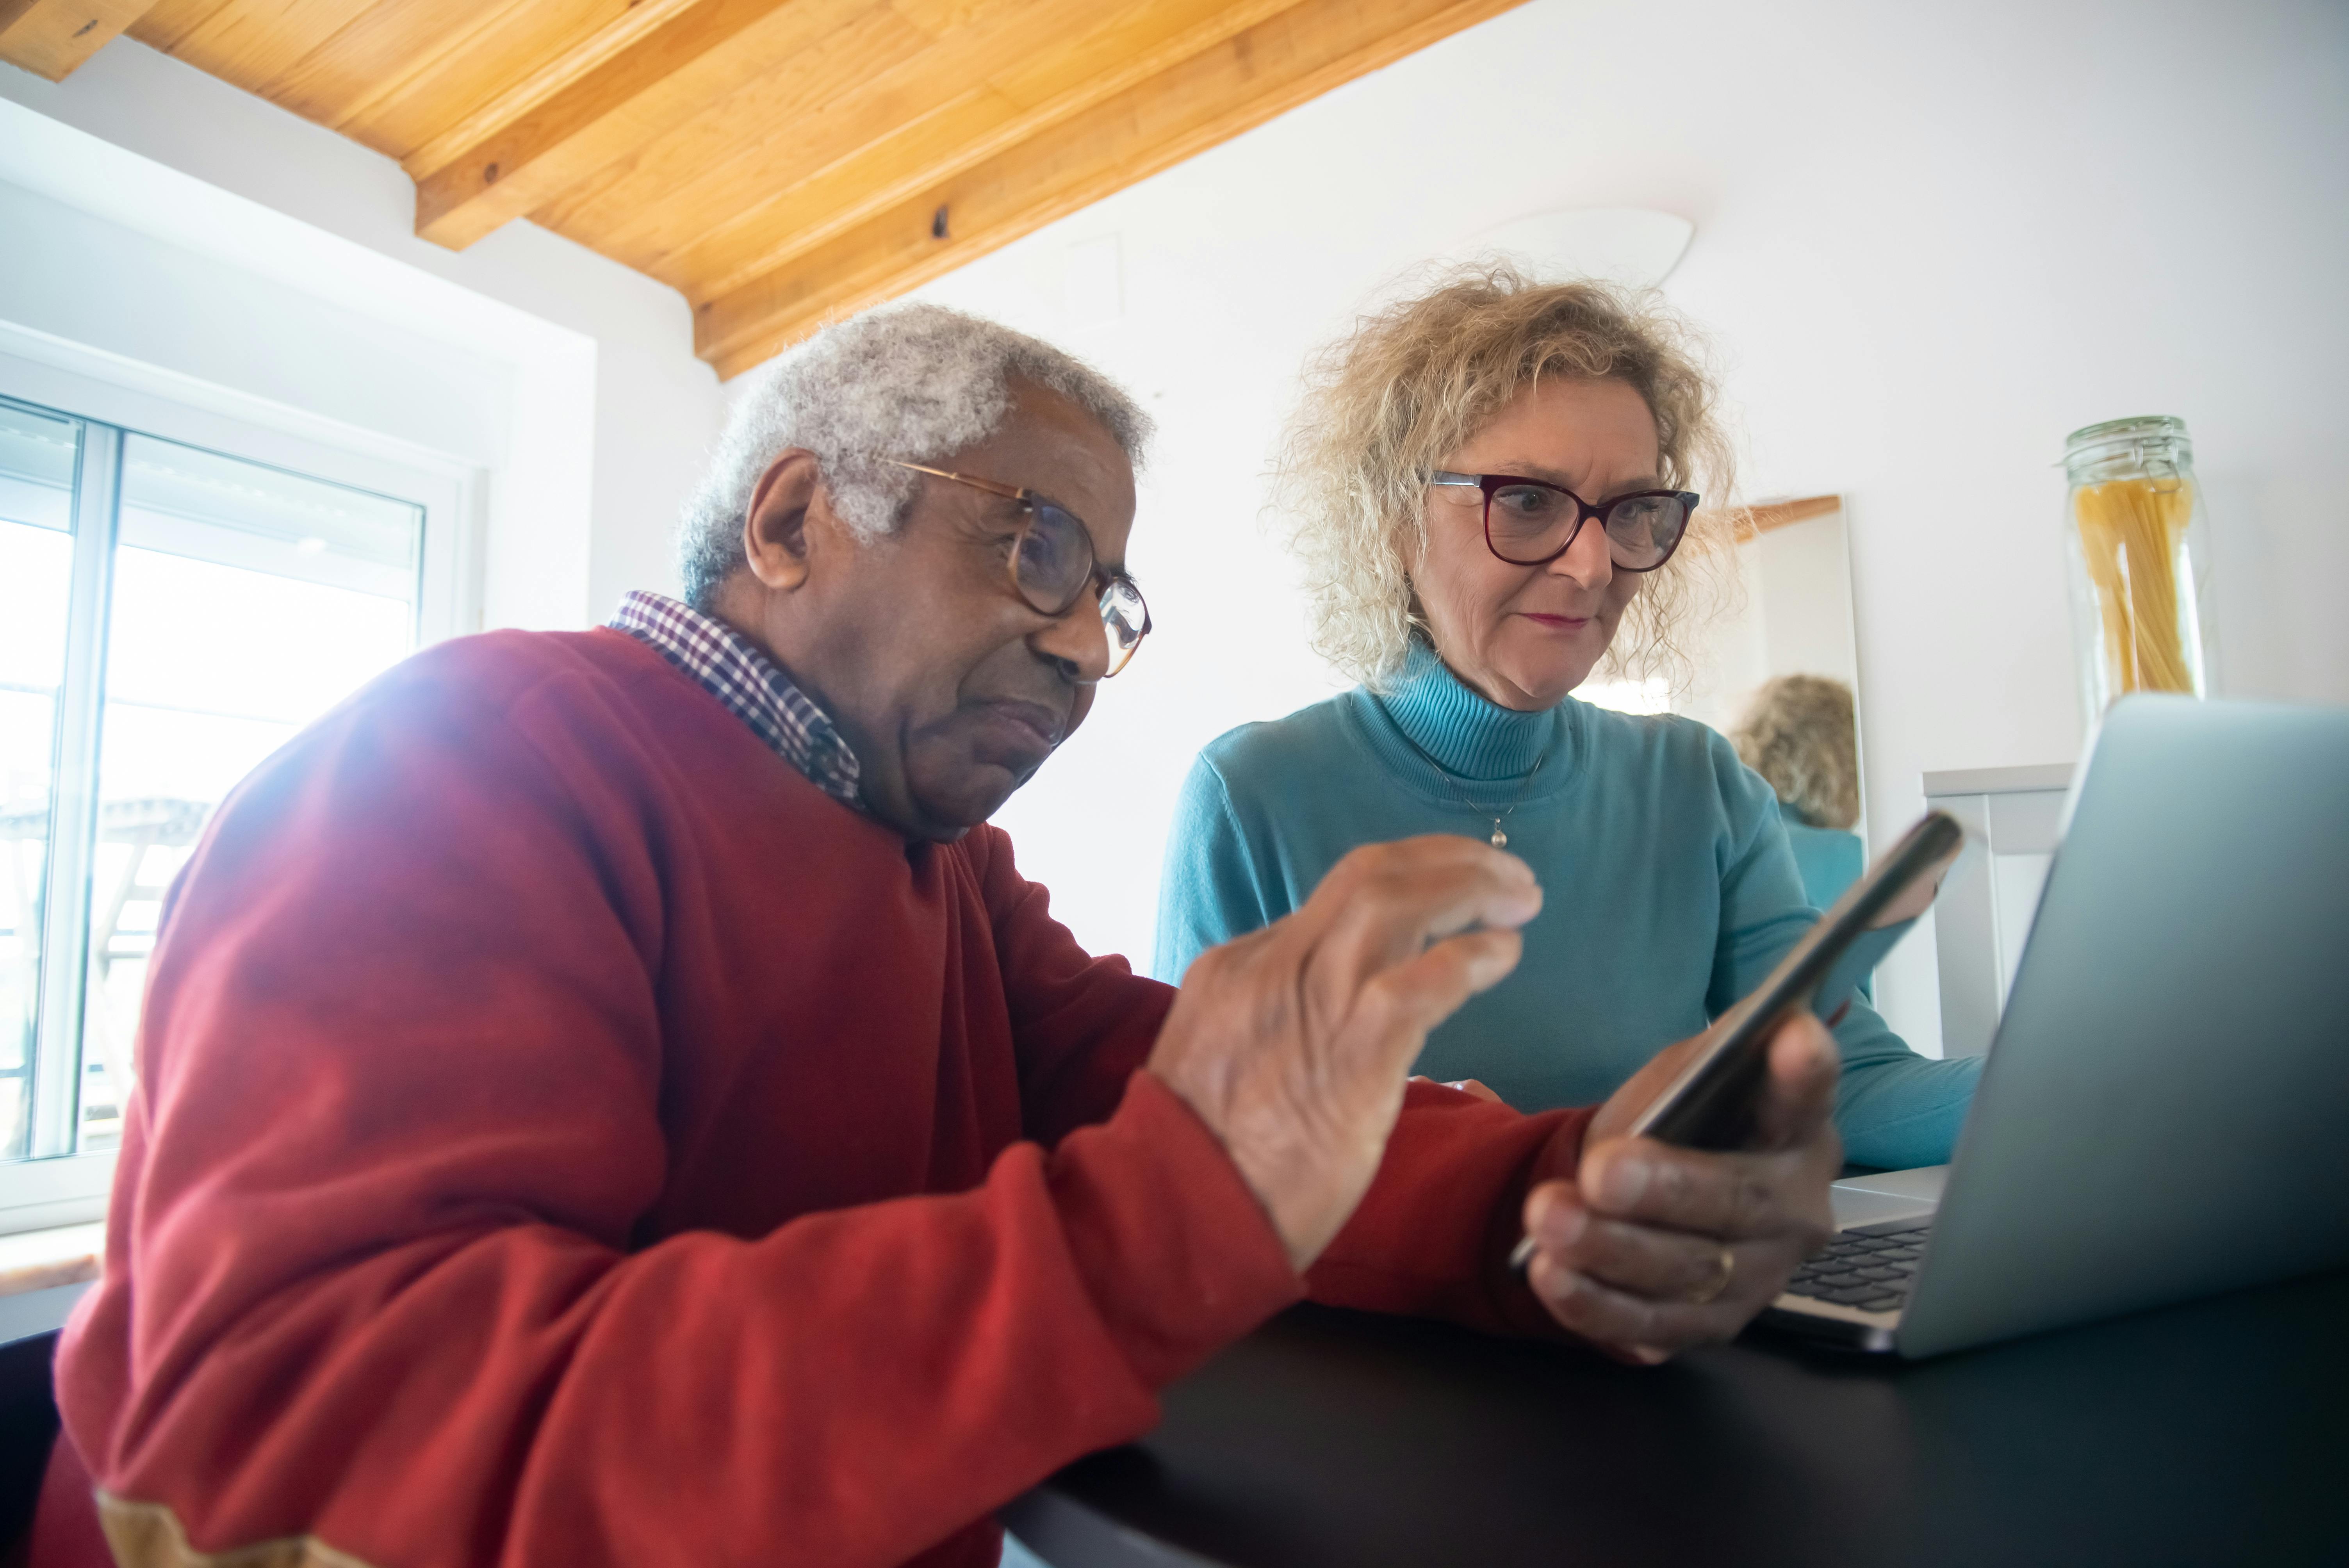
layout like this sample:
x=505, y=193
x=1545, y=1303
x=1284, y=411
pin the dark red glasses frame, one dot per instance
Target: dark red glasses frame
x=1584, y=511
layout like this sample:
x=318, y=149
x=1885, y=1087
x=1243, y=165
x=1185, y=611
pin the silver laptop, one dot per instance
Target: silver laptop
x=2165, y=1112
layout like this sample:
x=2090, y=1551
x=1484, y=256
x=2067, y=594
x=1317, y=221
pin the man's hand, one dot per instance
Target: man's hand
x=1292, y=1043
x=1654, y=1248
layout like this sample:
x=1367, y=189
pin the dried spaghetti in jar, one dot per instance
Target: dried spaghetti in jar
x=2141, y=560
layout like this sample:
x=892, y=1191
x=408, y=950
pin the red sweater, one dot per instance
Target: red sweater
x=565, y=1136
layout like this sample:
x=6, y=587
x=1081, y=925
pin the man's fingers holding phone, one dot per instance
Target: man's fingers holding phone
x=1725, y=1141
x=1653, y=1247
x=1648, y=1260
x=1798, y=1097
x=1633, y=1325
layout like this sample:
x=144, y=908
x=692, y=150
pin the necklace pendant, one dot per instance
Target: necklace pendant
x=1500, y=839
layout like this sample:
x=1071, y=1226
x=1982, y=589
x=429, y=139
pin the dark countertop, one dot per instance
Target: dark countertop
x=2212, y=1432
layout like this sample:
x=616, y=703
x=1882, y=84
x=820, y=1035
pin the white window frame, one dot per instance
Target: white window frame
x=114, y=398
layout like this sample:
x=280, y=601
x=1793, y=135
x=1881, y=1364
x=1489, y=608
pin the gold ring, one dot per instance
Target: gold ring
x=1706, y=1294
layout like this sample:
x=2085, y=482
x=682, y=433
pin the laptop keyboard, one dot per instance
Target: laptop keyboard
x=1870, y=1267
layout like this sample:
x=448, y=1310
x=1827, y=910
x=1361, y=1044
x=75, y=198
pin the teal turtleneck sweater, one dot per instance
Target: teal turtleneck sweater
x=1671, y=890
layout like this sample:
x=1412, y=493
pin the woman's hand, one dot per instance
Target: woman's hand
x=1654, y=1248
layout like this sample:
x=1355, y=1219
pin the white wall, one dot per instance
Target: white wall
x=1931, y=241
x=248, y=251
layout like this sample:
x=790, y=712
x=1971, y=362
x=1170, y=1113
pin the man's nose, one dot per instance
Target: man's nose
x=1077, y=643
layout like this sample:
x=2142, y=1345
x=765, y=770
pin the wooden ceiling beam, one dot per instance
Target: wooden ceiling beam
x=51, y=38
x=419, y=100
x=658, y=66
x=875, y=71
x=251, y=47
x=163, y=24
x=1234, y=86
x=375, y=55
x=896, y=162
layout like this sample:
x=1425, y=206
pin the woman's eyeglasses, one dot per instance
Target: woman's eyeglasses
x=1052, y=566
x=1530, y=524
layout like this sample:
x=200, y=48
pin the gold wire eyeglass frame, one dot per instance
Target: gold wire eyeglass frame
x=1124, y=614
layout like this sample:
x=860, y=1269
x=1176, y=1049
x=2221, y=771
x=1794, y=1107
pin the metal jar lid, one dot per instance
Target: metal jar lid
x=2155, y=443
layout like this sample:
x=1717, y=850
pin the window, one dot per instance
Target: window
x=169, y=615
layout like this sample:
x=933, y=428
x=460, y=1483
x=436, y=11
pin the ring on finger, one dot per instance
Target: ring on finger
x=1725, y=1267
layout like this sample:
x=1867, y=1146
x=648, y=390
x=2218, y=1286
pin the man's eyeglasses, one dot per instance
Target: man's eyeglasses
x=1052, y=566
x=1528, y=522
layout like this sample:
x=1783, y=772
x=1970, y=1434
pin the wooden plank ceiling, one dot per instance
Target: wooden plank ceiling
x=780, y=163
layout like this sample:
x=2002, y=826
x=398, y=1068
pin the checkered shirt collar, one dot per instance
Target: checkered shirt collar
x=734, y=670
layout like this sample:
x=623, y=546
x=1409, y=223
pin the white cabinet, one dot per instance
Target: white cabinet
x=2014, y=817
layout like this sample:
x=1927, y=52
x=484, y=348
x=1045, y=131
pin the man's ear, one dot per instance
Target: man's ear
x=775, y=525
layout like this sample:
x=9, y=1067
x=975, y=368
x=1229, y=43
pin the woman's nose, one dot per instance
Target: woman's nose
x=1587, y=559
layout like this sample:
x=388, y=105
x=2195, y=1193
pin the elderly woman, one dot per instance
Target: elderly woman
x=1799, y=732
x=1441, y=480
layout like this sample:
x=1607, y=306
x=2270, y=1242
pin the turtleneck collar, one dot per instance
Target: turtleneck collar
x=1469, y=737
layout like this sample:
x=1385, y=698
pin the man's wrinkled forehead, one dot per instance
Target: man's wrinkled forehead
x=1049, y=444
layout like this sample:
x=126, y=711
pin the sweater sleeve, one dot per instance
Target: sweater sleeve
x=1894, y=1107
x=1082, y=1025
x=1433, y=1235
x=1210, y=891
x=371, y=1278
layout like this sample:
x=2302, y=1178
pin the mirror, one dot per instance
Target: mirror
x=1793, y=617
x=1795, y=565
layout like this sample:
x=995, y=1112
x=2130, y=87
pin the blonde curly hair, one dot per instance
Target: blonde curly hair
x=1800, y=735
x=1385, y=405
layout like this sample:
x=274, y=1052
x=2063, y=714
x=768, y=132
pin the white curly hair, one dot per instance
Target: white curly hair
x=915, y=382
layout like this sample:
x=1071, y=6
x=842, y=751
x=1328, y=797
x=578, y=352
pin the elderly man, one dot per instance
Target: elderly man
x=607, y=1098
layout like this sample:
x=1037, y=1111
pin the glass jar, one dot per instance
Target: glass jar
x=2141, y=560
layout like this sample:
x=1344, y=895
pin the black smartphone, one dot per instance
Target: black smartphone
x=1713, y=1102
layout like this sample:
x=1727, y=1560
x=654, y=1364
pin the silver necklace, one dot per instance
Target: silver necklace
x=1500, y=840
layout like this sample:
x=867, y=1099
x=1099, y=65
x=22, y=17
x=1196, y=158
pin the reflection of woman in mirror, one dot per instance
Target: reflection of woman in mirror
x=1797, y=732
x=1489, y=486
